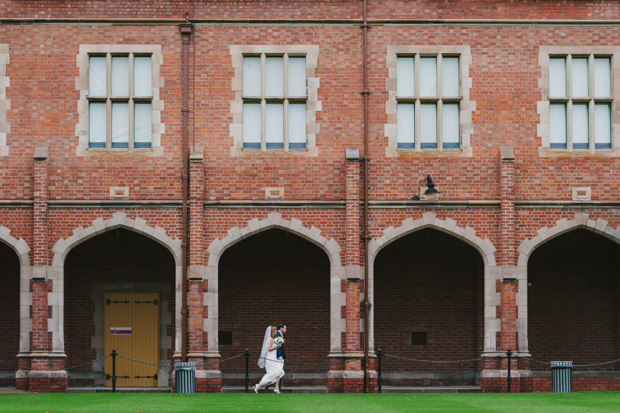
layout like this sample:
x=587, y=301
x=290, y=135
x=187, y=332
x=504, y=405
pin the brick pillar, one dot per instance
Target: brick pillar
x=40, y=339
x=509, y=286
x=196, y=251
x=507, y=252
x=47, y=372
x=208, y=375
x=353, y=373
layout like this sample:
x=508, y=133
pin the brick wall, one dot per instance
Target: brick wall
x=505, y=73
x=315, y=9
x=270, y=278
x=429, y=282
x=9, y=316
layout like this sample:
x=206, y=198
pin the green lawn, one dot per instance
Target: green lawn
x=358, y=403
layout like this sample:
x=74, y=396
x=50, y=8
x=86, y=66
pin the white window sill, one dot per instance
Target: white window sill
x=84, y=151
x=310, y=152
x=392, y=152
x=578, y=153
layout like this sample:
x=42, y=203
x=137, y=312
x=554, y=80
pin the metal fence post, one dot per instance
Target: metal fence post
x=247, y=376
x=379, y=370
x=509, y=379
x=113, y=370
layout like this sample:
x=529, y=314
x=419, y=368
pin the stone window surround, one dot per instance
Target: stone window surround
x=313, y=105
x=5, y=104
x=543, y=105
x=81, y=129
x=467, y=107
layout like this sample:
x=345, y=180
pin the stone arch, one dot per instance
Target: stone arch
x=581, y=220
x=63, y=247
x=492, y=273
x=25, y=274
x=295, y=226
x=274, y=220
x=119, y=220
x=528, y=246
x=18, y=245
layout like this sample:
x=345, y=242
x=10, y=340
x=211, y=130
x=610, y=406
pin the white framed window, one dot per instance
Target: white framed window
x=434, y=102
x=119, y=106
x=5, y=104
x=120, y=95
x=429, y=110
x=579, y=96
x=580, y=102
x=276, y=100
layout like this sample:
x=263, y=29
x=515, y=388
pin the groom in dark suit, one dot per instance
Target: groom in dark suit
x=280, y=351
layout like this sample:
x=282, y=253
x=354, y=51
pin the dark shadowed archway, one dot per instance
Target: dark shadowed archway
x=272, y=277
x=116, y=261
x=9, y=314
x=573, y=299
x=429, y=301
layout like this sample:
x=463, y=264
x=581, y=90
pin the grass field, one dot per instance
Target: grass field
x=357, y=403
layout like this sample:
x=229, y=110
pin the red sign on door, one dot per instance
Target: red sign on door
x=120, y=331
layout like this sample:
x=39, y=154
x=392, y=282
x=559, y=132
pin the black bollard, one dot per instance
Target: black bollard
x=247, y=375
x=113, y=370
x=379, y=370
x=509, y=379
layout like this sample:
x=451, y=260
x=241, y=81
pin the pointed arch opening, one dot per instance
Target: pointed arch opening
x=429, y=305
x=119, y=288
x=573, y=297
x=10, y=314
x=272, y=277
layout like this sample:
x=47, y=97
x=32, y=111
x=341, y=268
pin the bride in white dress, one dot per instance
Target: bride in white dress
x=269, y=361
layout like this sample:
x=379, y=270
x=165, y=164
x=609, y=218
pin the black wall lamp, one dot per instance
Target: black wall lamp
x=430, y=186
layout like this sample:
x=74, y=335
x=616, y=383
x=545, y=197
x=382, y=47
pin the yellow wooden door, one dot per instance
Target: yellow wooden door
x=132, y=328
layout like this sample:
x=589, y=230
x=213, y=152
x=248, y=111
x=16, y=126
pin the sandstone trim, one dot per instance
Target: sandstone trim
x=5, y=104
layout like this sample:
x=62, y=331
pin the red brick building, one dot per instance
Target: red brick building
x=274, y=155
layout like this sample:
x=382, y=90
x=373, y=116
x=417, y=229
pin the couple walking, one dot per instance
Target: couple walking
x=272, y=358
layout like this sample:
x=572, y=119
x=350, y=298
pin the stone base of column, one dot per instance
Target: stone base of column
x=346, y=375
x=21, y=380
x=496, y=381
x=47, y=381
x=208, y=374
x=353, y=381
x=208, y=381
x=42, y=371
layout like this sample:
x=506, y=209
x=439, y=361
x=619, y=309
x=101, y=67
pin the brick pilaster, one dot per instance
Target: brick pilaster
x=352, y=255
x=508, y=253
x=352, y=219
x=353, y=378
x=40, y=340
x=196, y=252
x=507, y=258
x=196, y=209
x=509, y=286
